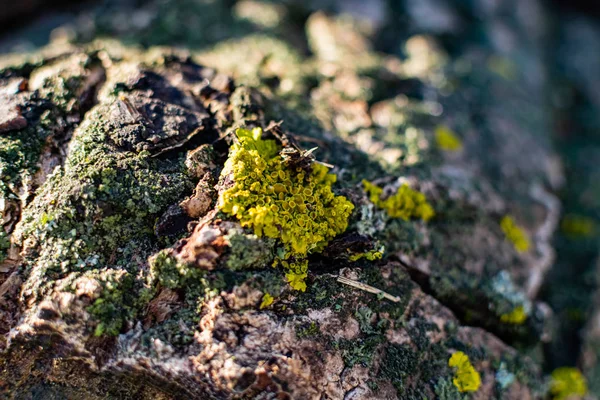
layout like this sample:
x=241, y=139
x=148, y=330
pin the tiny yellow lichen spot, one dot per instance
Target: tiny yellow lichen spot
x=267, y=300
x=369, y=255
x=566, y=382
x=514, y=234
x=578, y=226
x=466, y=377
x=446, y=139
x=295, y=206
x=515, y=317
x=406, y=203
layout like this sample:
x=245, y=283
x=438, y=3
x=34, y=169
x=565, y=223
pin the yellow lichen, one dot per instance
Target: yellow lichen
x=514, y=234
x=267, y=300
x=296, y=280
x=406, y=203
x=567, y=382
x=293, y=205
x=446, y=139
x=578, y=226
x=466, y=377
x=515, y=317
x=369, y=255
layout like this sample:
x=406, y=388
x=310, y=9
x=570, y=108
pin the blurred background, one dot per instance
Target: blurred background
x=547, y=53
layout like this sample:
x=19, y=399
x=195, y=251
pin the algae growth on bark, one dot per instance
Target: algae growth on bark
x=293, y=206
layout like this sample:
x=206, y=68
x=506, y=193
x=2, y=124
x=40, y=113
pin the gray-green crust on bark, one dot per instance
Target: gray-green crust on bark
x=120, y=277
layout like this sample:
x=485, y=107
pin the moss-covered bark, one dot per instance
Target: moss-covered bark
x=122, y=275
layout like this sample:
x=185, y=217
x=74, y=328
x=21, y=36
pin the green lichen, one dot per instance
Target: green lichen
x=248, y=251
x=308, y=330
x=445, y=390
x=369, y=322
x=63, y=81
x=170, y=273
x=405, y=204
x=4, y=244
x=179, y=328
x=364, y=315
x=292, y=205
x=399, y=364
x=113, y=307
x=359, y=351
x=99, y=209
x=51, y=108
x=20, y=151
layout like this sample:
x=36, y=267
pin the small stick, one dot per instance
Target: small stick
x=367, y=288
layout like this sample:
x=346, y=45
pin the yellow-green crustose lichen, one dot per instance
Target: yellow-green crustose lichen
x=516, y=317
x=566, y=382
x=369, y=255
x=267, y=300
x=294, y=205
x=466, y=377
x=406, y=203
x=577, y=226
x=515, y=234
x=446, y=139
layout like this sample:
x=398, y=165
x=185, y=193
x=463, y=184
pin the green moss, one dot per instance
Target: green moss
x=292, y=205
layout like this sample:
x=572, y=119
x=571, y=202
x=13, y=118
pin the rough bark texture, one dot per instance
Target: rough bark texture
x=120, y=278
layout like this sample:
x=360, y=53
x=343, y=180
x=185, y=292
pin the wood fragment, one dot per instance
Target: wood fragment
x=367, y=288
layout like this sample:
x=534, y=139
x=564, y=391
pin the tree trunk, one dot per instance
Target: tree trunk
x=123, y=274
